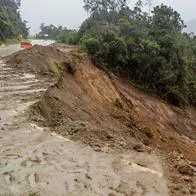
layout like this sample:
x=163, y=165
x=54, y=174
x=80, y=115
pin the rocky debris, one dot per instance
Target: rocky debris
x=186, y=169
x=139, y=148
x=187, y=179
x=183, y=180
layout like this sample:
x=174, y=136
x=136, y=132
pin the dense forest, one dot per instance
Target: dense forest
x=11, y=24
x=149, y=49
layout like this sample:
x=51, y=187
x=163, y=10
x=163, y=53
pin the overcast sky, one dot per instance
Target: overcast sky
x=70, y=13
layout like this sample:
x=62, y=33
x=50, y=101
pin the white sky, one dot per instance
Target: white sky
x=70, y=13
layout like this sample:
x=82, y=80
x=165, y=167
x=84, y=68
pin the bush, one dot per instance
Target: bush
x=68, y=37
x=90, y=45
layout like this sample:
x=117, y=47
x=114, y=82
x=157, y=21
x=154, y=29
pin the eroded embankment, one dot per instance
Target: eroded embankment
x=111, y=116
x=35, y=161
x=118, y=111
x=100, y=110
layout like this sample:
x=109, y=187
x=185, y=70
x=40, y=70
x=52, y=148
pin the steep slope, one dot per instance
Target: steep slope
x=117, y=110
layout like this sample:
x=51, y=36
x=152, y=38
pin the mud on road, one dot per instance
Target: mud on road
x=34, y=160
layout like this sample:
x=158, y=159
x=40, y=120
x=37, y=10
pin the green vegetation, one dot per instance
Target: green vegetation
x=9, y=41
x=150, y=50
x=11, y=24
x=59, y=33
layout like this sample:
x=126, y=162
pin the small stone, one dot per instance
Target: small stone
x=177, y=188
x=83, y=124
x=109, y=136
x=60, y=113
x=88, y=177
x=188, y=179
x=186, y=169
x=97, y=149
x=138, y=148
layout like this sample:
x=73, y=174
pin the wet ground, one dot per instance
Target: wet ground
x=34, y=160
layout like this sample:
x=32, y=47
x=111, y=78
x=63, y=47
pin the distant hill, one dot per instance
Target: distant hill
x=191, y=26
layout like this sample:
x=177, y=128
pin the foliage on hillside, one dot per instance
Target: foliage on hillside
x=11, y=24
x=149, y=50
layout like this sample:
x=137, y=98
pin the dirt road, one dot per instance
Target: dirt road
x=36, y=161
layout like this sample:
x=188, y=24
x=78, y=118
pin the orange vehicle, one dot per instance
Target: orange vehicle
x=25, y=44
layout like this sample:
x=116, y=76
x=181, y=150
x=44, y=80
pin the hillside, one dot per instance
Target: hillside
x=111, y=115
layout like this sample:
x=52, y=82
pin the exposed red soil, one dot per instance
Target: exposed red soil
x=118, y=109
x=174, y=129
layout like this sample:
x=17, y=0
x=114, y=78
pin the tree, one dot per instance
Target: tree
x=108, y=5
x=18, y=3
x=11, y=23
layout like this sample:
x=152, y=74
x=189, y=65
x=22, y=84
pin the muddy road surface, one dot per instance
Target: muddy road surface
x=36, y=161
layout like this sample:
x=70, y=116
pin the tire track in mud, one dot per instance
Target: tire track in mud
x=34, y=160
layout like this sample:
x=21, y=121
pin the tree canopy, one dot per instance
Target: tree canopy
x=11, y=24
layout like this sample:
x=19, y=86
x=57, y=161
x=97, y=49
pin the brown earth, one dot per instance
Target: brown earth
x=39, y=60
x=118, y=110
x=110, y=115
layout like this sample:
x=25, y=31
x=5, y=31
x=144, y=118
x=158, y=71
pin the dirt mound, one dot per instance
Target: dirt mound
x=40, y=60
x=86, y=105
